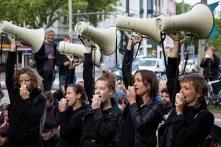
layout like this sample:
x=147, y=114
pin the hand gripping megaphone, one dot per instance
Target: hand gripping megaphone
x=35, y=37
x=104, y=38
x=198, y=21
x=146, y=27
x=78, y=50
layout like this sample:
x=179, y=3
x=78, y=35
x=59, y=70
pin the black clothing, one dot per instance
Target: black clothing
x=99, y=128
x=140, y=123
x=52, y=142
x=88, y=76
x=24, y=115
x=71, y=126
x=211, y=72
x=210, y=66
x=185, y=130
x=41, y=58
x=172, y=73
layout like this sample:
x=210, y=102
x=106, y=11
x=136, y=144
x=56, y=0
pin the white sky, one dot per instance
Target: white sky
x=192, y=2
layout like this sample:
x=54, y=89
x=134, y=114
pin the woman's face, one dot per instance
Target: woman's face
x=139, y=86
x=25, y=79
x=102, y=90
x=189, y=92
x=71, y=96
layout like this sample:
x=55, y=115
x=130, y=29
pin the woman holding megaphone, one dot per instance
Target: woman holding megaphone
x=144, y=111
x=27, y=104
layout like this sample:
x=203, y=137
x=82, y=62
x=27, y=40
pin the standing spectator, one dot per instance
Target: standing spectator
x=144, y=111
x=72, y=108
x=27, y=104
x=67, y=68
x=190, y=122
x=5, y=116
x=46, y=59
x=210, y=64
x=165, y=96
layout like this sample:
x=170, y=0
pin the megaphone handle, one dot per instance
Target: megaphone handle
x=163, y=36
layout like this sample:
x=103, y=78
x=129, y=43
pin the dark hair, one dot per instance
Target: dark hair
x=36, y=79
x=149, y=78
x=109, y=78
x=79, y=89
x=49, y=96
x=164, y=90
x=198, y=82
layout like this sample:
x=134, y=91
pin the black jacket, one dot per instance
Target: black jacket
x=40, y=58
x=100, y=127
x=140, y=123
x=71, y=126
x=24, y=115
x=210, y=67
x=187, y=130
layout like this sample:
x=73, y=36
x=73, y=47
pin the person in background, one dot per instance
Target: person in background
x=210, y=64
x=121, y=99
x=52, y=113
x=49, y=135
x=27, y=104
x=67, y=68
x=5, y=124
x=72, y=109
x=46, y=59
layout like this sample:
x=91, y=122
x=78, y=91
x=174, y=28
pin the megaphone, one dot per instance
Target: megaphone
x=35, y=37
x=146, y=27
x=104, y=38
x=78, y=50
x=198, y=21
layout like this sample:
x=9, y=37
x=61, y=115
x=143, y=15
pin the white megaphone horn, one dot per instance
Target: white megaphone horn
x=78, y=50
x=146, y=27
x=198, y=21
x=35, y=37
x=104, y=38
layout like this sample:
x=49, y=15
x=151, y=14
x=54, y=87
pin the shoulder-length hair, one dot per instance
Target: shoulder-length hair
x=36, y=79
x=149, y=78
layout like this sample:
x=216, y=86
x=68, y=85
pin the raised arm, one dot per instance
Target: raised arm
x=128, y=60
x=88, y=74
x=10, y=62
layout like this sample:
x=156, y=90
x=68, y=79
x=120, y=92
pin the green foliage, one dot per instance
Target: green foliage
x=102, y=6
x=217, y=41
x=39, y=13
x=186, y=8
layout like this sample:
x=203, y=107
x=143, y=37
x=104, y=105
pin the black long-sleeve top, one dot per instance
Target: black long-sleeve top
x=189, y=129
x=24, y=115
x=71, y=126
x=99, y=126
x=141, y=131
x=210, y=66
x=88, y=76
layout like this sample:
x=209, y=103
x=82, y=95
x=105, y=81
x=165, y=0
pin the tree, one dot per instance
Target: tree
x=43, y=13
x=179, y=8
x=217, y=41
